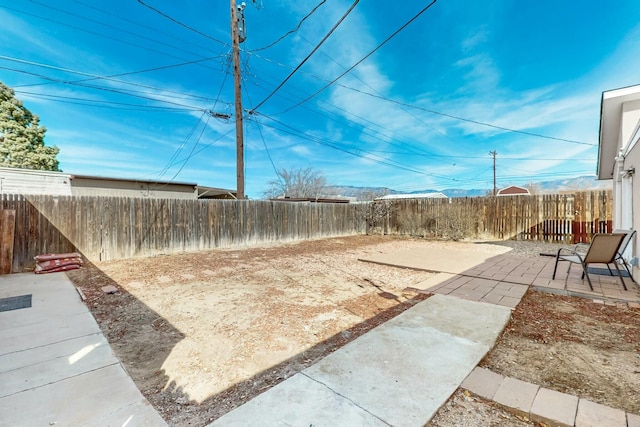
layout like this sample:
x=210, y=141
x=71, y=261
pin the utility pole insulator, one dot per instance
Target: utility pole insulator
x=242, y=30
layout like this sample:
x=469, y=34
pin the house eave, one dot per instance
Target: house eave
x=609, y=133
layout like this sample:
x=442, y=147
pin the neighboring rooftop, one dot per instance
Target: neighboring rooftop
x=434, y=195
x=37, y=182
x=513, y=190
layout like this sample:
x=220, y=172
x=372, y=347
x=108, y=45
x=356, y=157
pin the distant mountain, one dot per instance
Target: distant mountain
x=581, y=183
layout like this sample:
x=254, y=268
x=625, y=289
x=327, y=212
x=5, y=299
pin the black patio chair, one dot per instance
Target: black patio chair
x=602, y=250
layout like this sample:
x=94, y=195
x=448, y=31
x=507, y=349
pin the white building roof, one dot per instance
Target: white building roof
x=27, y=181
x=434, y=195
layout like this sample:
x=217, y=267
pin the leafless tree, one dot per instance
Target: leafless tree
x=307, y=182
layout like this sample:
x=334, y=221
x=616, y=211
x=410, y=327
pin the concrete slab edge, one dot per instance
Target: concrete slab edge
x=390, y=264
x=476, y=383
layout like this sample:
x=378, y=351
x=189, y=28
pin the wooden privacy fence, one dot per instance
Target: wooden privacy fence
x=108, y=228
x=565, y=218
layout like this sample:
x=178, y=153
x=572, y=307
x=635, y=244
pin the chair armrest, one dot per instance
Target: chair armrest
x=570, y=251
x=581, y=245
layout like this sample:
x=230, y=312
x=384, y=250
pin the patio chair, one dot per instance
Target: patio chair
x=629, y=234
x=602, y=250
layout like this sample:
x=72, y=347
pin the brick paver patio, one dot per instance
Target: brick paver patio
x=504, y=279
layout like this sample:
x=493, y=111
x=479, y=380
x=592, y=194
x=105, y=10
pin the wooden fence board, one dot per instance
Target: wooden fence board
x=7, y=235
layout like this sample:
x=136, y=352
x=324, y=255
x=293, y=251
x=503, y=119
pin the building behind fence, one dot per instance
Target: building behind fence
x=109, y=228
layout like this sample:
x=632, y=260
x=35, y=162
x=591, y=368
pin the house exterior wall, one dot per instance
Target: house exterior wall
x=625, y=185
x=33, y=182
x=630, y=118
x=90, y=186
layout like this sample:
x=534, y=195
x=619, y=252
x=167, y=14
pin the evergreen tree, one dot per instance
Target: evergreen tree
x=22, y=137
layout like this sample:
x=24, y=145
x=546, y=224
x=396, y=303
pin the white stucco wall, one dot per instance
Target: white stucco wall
x=626, y=185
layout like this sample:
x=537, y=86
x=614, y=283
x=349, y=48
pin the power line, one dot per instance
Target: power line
x=335, y=26
x=109, y=77
x=108, y=37
x=178, y=150
x=288, y=33
x=93, y=21
x=371, y=157
x=140, y=24
x=506, y=129
x=204, y=147
x=191, y=153
x=404, y=104
x=182, y=24
x=365, y=57
x=105, y=89
x=98, y=77
x=107, y=104
x=264, y=142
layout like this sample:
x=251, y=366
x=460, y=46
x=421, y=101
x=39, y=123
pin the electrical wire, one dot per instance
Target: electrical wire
x=503, y=128
x=108, y=37
x=314, y=50
x=103, y=24
x=109, y=77
x=288, y=33
x=178, y=150
x=383, y=98
x=140, y=24
x=107, y=104
x=105, y=89
x=371, y=157
x=348, y=70
x=264, y=142
x=191, y=153
x=182, y=24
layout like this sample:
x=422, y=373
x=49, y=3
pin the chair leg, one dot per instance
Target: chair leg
x=584, y=272
x=620, y=274
x=626, y=267
x=555, y=268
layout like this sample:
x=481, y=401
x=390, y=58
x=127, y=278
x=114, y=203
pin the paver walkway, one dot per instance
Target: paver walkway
x=504, y=279
x=544, y=405
x=56, y=367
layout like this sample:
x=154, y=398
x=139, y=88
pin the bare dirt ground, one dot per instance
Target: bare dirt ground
x=202, y=333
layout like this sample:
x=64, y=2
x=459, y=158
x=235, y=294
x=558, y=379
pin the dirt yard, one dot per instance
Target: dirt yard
x=202, y=333
x=567, y=344
x=575, y=346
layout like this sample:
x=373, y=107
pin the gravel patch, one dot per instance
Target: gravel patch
x=528, y=248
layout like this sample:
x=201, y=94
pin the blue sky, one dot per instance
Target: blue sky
x=395, y=120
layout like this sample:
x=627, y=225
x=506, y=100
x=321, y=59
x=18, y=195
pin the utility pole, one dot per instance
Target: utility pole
x=235, y=41
x=494, y=154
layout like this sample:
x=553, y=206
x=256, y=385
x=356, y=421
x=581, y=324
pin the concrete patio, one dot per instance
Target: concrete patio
x=56, y=366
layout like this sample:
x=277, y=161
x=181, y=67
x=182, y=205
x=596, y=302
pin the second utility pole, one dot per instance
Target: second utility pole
x=235, y=39
x=494, y=154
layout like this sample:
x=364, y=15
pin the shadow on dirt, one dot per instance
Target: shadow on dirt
x=173, y=404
